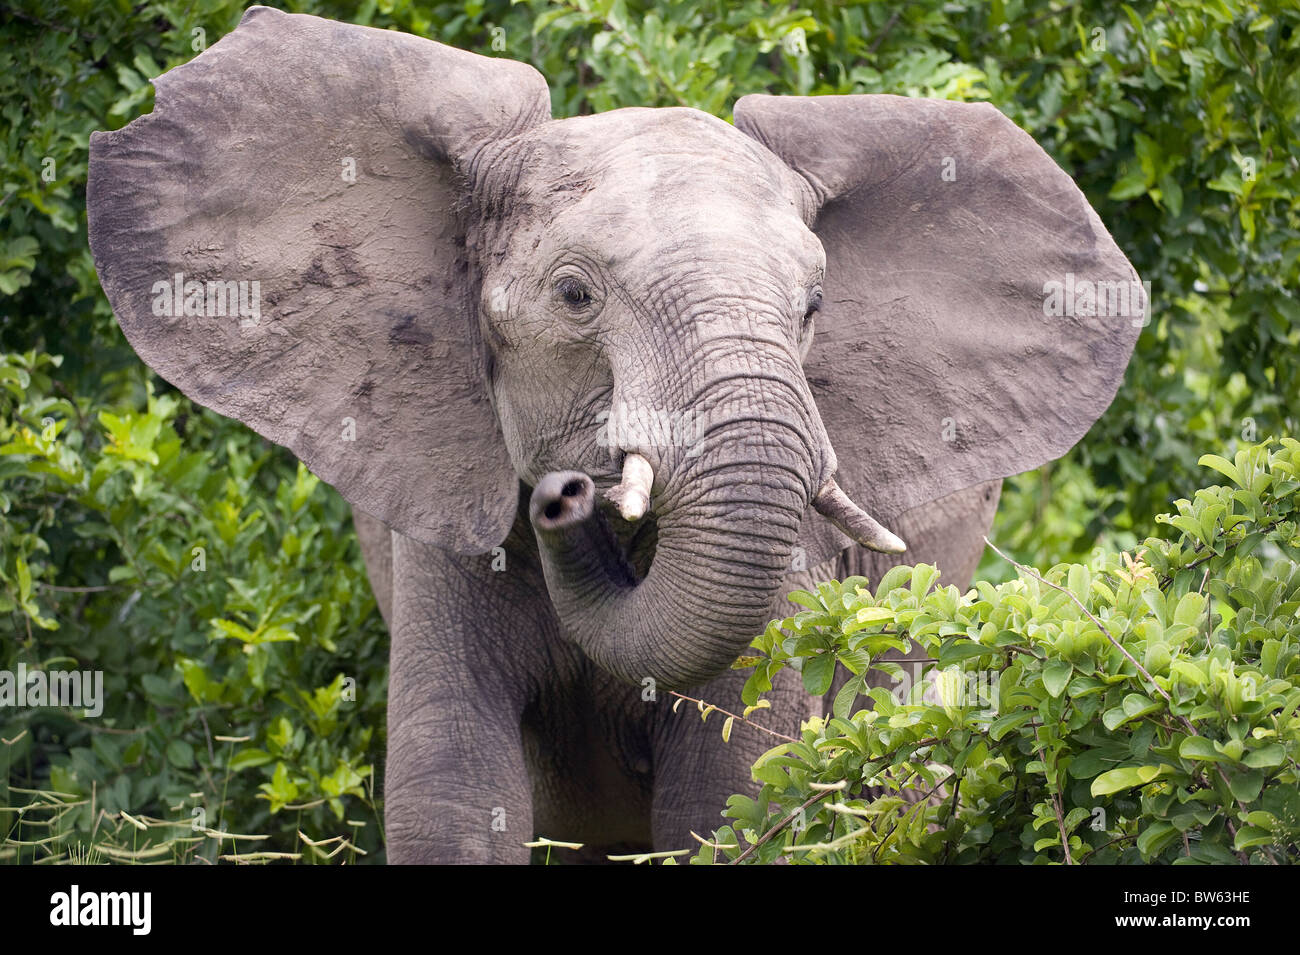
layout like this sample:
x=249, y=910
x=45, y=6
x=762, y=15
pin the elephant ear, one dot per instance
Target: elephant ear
x=281, y=240
x=956, y=343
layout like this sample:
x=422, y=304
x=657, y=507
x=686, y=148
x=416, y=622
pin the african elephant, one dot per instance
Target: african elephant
x=601, y=390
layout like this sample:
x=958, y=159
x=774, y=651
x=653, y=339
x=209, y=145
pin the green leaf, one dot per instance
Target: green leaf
x=1078, y=582
x=1222, y=465
x=1249, y=836
x=846, y=696
x=1188, y=672
x=246, y=758
x=894, y=578
x=1245, y=786
x=1190, y=609
x=1126, y=777
x=818, y=672
x=180, y=754
x=1154, y=838
x=24, y=581
x=923, y=578
x=1093, y=761
x=805, y=599
x=874, y=615
x=1056, y=675
x=230, y=628
x=956, y=651
x=1201, y=749
x=1266, y=756
x=1007, y=722
x=1131, y=185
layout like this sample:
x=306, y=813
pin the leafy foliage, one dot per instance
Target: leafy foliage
x=1145, y=708
x=225, y=607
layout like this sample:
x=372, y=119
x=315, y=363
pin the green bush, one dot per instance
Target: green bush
x=198, y=569
x=1140, y=709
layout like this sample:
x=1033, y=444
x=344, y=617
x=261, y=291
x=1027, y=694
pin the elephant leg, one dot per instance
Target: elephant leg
x=696, y=771
x=456, y=785
x=376, y=540
x=721, y=769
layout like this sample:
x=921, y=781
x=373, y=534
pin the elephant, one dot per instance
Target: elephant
x=602, y=390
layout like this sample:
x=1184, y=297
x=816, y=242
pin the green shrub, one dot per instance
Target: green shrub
x=1141, y=709
x=244, y=668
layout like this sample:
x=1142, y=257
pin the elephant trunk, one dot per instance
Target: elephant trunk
x=716, y=572
x=724, y=549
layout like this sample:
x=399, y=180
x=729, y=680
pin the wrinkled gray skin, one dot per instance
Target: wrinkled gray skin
x=847, y=287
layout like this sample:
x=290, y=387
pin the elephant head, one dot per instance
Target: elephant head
x=445, y=292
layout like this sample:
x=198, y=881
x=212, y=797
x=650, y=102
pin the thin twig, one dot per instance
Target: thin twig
x=702, y=704
x=1029, y=23
x=1232, y=830
x=925, y=797
x=207, y=733
x=1165, y=581
x=48, y=25
x=884, y=31
x=952, y=814
x=84, y=723
x=1086, y=859
x=1056, y=806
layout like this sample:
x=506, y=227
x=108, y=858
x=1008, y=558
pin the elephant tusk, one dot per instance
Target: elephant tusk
x=834, y=505
x=632, y=496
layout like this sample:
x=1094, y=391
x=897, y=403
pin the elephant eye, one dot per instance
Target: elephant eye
x=814, y=306
x=573, y=292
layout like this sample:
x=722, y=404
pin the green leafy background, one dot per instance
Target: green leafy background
x=246, y=680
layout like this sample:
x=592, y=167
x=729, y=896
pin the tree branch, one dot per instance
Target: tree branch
x=780, y=825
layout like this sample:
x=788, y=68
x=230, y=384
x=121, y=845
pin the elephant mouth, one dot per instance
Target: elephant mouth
x=636, y=541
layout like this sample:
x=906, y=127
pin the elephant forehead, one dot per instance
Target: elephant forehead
x=658, y=184
x=665, y=157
